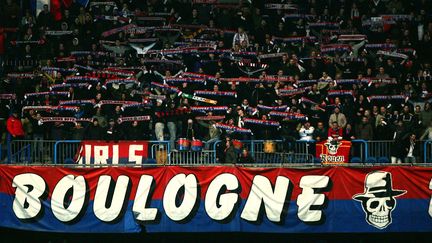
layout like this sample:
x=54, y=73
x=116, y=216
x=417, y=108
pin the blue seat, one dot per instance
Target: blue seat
x=356, y=160
x=69, y=161
x=371, y=160
x=316, y=160
x=383, y=160
x=151, y=161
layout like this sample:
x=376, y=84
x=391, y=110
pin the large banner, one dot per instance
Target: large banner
x=216, y=199
x=123, y=152
x=333, y=152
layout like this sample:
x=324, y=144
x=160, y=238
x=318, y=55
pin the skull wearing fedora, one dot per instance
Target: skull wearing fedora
x=378, y=199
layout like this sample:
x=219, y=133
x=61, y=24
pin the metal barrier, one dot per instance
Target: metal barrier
x=427, y=151
x=282, y=158
x=60, y=152
x=300, y=152
x=160, y=152
x=379, y=149
x=192, y=158
x=305, y=147
x=30, y=151
x=359, y=149
x=65, y=151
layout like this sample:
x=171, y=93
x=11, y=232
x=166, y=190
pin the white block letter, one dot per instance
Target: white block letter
x=226, y=200
x=132, y=156
x=430, y=203
x=29, y=188
x=309, y=198
x=101, y=154
x=190, y=185
x=139, y=207
x=110, y=213
x=274, y=201
x=78, y=186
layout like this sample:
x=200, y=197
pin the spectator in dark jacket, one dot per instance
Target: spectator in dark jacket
x=320, y=133
x=364, y=130
x=78, y=132
x=348, y=133
x=245, y=157
x=230, y=154
x=94, y=131
x=113, y=133
x=411, y=149
x=134, y=131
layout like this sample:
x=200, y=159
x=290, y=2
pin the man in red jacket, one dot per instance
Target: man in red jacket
x=335, y=132
x=14, y=127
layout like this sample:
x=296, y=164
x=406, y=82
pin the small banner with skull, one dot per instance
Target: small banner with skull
x=333, y=152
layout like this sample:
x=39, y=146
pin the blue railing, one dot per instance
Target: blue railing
x=64, y=151
x=68, y=151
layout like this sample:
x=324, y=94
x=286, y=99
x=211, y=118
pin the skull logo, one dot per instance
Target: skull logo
x=332, y=146
x=378, y=199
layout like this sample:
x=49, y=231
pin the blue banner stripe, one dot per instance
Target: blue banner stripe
x=410, y=215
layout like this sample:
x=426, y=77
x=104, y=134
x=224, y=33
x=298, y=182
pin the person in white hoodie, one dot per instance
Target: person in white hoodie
x=306, y=131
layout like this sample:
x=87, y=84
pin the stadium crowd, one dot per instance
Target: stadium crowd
x=129, y=69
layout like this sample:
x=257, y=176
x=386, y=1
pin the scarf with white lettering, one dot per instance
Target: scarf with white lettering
x=208, y=108
x=82, y=79
x=387, y=97
x=50, y=93
x=68, y=85
x=185, y=80
x=7, y=96
x=216, y=93
x=288, y=115
x=58, y=32
x=64, y=119
x=340, y=93
x=272, y=108
x=166, y=87
x=209, y=118
x=232, y=128
x=21, y=75
x=261, y=122
x=133, y=118
x=77, y=102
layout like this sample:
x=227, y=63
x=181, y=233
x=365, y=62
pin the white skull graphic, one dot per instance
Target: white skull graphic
x=378, y=200
x=332, y=147
x=378, y=211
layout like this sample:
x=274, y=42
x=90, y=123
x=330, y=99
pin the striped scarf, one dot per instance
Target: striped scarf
x=166, y=87
x=65, y=85
x=232, y=128
x=216, y=93
x=387, y=97
x=57, y=69
x=64, y=119
x=121, y=81
x=7, y=96
x=288, y=115
x=77, y=102
x=340, y=93
x=273, y=108
x=261, y=122
x=50, y=93
x=208, y=108
x=292, y=92
x=184, y=80
x=209, y=118
x=133, y=118
x=82, y=79
x=21, y=75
